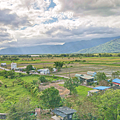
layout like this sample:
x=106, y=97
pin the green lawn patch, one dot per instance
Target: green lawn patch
x=83, y=90
x=61, y=85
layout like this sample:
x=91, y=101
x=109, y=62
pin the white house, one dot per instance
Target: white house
x=44, y=71
x=3, y=64
x=13, y=66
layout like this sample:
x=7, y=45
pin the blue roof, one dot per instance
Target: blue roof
x=101, y=87
x=116, y=80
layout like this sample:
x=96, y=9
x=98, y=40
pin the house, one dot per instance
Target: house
x=101, y=88
x=34, y=55
x=63, y=113
x=92, y=91
x=116, y=81
x=91, y=73
x=85, y=79
x=44, y=71
x=3, y=64
x=3, y=116
x=13, y=66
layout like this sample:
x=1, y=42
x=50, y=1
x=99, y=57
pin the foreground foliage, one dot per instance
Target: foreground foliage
x=21, y=110
x=51, y=98
x=101, y=106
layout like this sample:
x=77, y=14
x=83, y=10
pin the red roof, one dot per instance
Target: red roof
x=116, y=83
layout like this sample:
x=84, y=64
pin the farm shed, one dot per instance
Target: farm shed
x=3, y=64
x=63, y=113
x=102, y=88
x=116, y=82
x=85, y=79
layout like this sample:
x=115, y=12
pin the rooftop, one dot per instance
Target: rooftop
x=116, y=80
x=101, y=87
x=63, y=111
x=84, y=76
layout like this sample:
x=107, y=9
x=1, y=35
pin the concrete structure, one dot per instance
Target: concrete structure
x=92, y=91
x=85, y=79
x=63, y=113
x=3, y=64
x=44, y=71
x=13, y=66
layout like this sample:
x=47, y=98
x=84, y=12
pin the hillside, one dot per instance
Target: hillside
x=112, y=46
x=69, y=47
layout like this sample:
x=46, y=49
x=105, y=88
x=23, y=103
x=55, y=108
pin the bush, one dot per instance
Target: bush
x=43, y=79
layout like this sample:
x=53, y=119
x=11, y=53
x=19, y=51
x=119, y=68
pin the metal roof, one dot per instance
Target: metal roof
x=63, y=111
x=86, y=77
x=116, y=80
x=101, y=87
x=59, y=113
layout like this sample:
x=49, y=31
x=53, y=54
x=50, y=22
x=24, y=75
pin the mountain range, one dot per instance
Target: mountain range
x=112, y=46
x=69, y=47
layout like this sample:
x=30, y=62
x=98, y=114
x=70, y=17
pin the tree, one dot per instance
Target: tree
x=28, y=68
x=51, y=98
x=71, y=84
x=115, y=74
x=20, y=110
x=100, y=76
x=104, y=83
x=108, y=104
x=42, y=79
x=58, y=64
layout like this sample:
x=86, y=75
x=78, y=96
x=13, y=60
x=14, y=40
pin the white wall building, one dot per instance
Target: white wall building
x=13, y=66
x=44, y=71
x=3, y=64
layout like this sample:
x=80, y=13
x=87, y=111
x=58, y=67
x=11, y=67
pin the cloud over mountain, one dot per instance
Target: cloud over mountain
x=35, y=22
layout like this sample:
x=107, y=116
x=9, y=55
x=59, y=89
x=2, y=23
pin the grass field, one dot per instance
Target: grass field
x=82, y=91
x=11, y=94
x=104, y=64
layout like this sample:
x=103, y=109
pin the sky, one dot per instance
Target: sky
x=55, y=22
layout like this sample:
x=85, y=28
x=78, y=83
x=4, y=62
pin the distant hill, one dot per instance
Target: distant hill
x=112, y=46
x=69, y=47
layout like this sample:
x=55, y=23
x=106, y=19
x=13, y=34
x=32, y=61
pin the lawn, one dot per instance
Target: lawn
x=11, y=94
x=82, y=91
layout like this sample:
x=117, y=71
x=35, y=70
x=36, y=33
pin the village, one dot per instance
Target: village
x=89, y=80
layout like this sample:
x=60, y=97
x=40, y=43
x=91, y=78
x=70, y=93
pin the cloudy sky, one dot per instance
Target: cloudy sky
x=45, y=22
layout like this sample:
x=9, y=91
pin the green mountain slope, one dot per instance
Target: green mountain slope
x=109, y=47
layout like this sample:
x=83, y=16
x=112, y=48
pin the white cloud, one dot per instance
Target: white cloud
x=23, y=21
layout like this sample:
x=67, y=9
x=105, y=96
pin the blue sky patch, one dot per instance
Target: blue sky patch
x=52, y=5
x=23, y=28
x=51, y=21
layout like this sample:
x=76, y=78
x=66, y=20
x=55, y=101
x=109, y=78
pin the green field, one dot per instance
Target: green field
x=82, y=91
x=12, y=94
